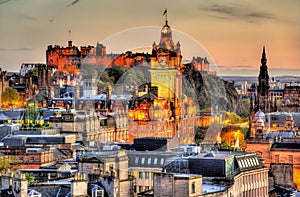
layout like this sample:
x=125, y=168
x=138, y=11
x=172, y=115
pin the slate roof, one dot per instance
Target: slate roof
x=12, y=114
x=286, y=146
x=283, y=134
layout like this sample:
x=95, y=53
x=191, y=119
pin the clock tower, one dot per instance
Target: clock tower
x=165, y=68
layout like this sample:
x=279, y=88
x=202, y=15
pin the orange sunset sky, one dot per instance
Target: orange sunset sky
x=231, y=32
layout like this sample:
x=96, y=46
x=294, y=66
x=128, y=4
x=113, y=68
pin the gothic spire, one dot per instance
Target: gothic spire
x=263, y=57
x=263, y=89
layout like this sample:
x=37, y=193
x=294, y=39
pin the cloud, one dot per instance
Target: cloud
x=243, y=67
x=17, y=49
x=3, y=1
x=73, y=3
x=220, y=66
x=226, y=10
x=258, y=15
x=27, y=17
x=229, y=12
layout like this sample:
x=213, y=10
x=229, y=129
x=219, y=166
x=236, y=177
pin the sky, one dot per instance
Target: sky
x=231, y=33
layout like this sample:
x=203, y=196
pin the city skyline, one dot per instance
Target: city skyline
x=232, y=33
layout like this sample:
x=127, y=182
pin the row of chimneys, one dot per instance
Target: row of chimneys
x=19, y=184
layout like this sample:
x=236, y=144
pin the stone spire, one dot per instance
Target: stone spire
x=263, y=88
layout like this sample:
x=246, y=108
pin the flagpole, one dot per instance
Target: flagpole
x=166, y=13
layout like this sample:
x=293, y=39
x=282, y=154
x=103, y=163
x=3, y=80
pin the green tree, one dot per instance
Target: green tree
x=28, y=177
x=10, y=95
x=232, y=118
x=7, y=163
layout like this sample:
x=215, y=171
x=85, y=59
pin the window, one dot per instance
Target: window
x=149, y=161
x=147, y=188
x=291, y=159
x=162, y=161
x=140, y=188
x=193, y=188
x=140, y=175
x=147, y=175
x=155, y=161
x=143, y=160
x=136, y=160
x=276, y=158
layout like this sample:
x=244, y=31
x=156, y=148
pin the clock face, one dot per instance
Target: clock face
x=162, y=60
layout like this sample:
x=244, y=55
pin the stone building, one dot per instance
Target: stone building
x=143, y=164
x=110, y=168
x=234, y=174
x=18, y=186
x=34, y=151
x=177, y=185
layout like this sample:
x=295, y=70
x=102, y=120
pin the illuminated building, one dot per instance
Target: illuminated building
x=162, y=110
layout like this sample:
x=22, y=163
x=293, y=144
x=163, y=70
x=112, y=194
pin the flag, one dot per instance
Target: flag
x=165, y=12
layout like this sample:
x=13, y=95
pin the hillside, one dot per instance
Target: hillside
x=213, y=92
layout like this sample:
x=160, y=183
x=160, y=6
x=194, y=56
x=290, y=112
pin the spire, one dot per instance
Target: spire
x=263, y=88
x=264, y=53
x=263, y=57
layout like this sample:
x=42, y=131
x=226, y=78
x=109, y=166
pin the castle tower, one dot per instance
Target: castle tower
x=263, y=88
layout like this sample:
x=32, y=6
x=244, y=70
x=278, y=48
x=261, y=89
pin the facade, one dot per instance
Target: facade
x=143, y=164
x=291, y=93
x=177, y=185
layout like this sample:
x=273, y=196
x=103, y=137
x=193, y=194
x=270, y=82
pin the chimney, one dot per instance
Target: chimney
x=79, y=186
x=20, y=185
x=6, y=181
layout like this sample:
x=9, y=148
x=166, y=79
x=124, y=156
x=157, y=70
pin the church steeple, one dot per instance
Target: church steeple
x=263, y=89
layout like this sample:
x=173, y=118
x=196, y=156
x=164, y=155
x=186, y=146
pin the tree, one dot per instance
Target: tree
x=232, y=118
x=28, y=177
x=10, y=95
x=8, y=163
